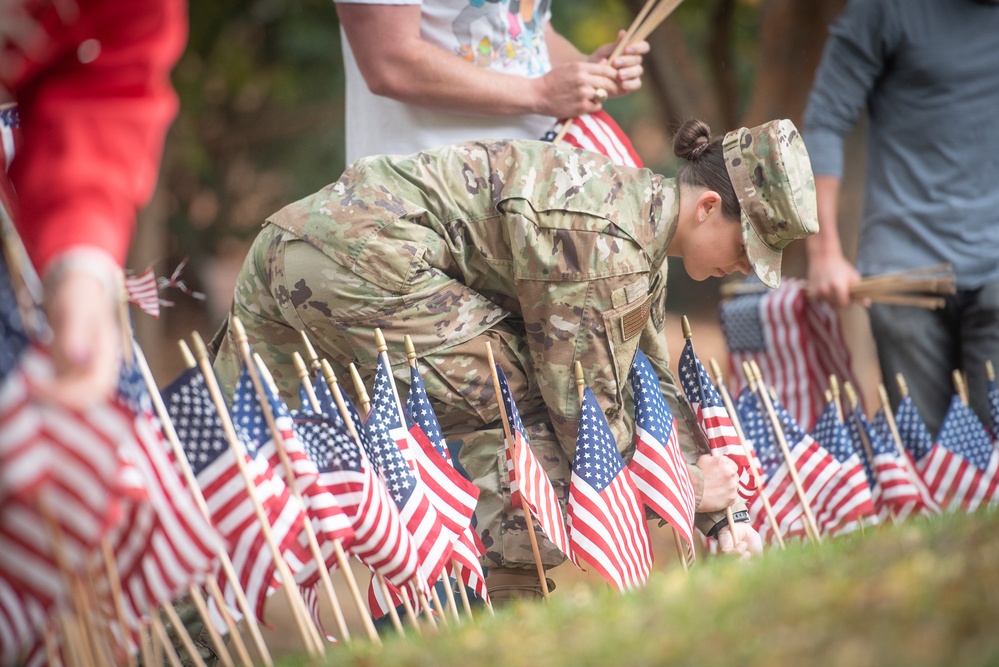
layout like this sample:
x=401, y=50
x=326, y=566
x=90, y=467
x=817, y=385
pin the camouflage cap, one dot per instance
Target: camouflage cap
x=772, y=178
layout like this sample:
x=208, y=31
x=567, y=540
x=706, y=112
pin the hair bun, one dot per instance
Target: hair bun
x=691, y=140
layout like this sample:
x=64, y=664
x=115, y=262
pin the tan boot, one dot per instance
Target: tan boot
x=508, y=584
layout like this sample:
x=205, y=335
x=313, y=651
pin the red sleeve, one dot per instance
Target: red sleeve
x=95, y=106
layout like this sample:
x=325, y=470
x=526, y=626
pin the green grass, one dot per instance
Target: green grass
x=922, y=593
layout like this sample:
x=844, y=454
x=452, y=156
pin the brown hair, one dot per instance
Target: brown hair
x=704, y=164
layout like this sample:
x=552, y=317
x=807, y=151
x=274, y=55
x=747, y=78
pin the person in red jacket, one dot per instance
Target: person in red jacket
x=91, y=80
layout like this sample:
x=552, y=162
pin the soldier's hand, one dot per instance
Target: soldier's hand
x=721, y=481
x=744, y=544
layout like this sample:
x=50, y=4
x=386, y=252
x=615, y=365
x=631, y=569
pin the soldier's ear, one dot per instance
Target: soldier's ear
x=708, y=204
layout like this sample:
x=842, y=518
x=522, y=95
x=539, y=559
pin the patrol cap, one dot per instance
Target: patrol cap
x=772, y=178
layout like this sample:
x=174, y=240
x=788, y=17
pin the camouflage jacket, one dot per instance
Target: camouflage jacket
x=563, y=240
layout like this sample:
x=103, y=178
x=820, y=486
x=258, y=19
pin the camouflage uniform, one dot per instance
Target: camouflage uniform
x=551, y=254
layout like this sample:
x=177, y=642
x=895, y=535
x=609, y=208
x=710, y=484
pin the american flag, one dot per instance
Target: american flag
x=815, y=466
x=385, y=432
x=993, y=393
x=230, y=504
x=961, y=469
x=13, y=337
x=380, y=541
x=67, y=459
x=797, y=343
x=713, y=417
x=538, y=491
x=606, y=519
x=468, y=547
x=23, y=619
x=143, y=292
x=658, y=469
x=328, y=520
x=849, y=504
x=163, y=544
x=893, y=491
x=884, y=432
x=599, y=133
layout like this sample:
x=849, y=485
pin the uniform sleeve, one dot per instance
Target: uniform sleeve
x=860, y=44
x=94, y=111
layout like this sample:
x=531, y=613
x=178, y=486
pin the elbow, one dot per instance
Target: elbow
x=390, y=81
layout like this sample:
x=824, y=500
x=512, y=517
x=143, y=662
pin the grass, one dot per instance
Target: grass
x=922, y=593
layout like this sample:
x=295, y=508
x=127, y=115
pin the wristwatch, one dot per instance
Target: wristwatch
x=739, y=517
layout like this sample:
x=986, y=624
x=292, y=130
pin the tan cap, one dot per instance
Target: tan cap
x=772, y=178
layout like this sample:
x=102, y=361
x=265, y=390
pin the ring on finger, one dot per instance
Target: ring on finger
x=600, y=96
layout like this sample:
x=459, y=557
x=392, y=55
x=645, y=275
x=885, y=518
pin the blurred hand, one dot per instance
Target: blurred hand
x=830, y=278
x=628, y=65
x=745, y=544
x=86, y=337
x=721, y=481
x=570, y=89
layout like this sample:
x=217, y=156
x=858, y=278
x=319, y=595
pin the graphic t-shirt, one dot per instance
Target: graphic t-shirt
x=502, y=35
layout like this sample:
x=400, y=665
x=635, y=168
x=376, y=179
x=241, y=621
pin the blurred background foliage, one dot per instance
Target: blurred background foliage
x=261, y=117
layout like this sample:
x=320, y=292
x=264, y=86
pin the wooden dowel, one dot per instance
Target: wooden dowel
x=914, y=475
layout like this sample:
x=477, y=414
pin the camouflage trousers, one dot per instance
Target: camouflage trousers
x=286, y=286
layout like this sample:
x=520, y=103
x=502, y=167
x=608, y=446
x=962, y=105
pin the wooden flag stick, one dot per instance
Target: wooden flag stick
x=383, y=355
x=114, y=582
x=343, y=566
x=959, y=387
x=834, y=390
x=655, y=19
x=688, y=334
x=914, y=475
x=756, y=385
x=455, y=567
x=851, y=396
x=746, y=447
x=185, y=637
x=362, y=397
x=295, y=602
x=511, y=443
x=211, y=584
x=255, y=369
x=161, y=638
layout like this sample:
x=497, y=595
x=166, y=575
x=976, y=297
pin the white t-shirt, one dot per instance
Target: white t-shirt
x=485, y=32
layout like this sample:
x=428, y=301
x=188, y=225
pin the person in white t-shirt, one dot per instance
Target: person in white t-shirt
x=424, y=74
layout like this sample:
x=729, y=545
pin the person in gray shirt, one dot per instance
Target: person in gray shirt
x=928, y=73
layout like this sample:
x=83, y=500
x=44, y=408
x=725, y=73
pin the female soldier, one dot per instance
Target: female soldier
x=551, y=254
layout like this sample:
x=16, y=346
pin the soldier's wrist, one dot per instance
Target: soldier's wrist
x=739, y=517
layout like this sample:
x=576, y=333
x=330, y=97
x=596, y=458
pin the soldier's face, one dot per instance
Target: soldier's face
x=716, y=248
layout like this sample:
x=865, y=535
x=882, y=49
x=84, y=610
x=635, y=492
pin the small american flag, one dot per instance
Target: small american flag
x=993, y=393
x=13, y=336
x=713, y=417
x=883, y=431
x=816, y=467
x=961, y=469
x=380, y=540
x=660, y=473
x=797, y=343
x=163, y=544
x=327, y=518
x=533, y=483
x=468, y=547
x=65, y=458
x=849, y=504
x=230, y=506
x=385, y=432
x=23, y=619
x=606, y=519
x=893, y=491
x=143, y=292
x=599, y=133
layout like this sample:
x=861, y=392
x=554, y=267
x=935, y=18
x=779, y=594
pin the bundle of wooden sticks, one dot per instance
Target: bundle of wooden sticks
x=920, y=288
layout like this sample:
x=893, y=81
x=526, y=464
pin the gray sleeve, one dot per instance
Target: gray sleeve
x=860, y=44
